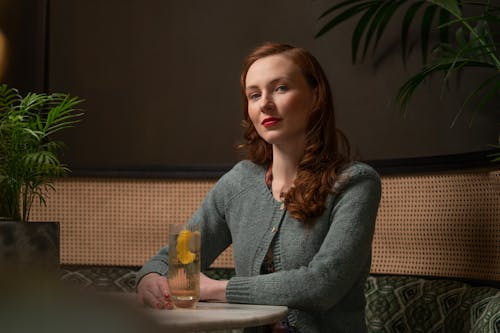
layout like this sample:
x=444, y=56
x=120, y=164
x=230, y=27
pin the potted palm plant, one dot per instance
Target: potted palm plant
x=28, y=164
x=464, y=40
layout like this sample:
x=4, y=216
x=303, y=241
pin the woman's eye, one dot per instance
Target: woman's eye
x=253, y=96
x=281, y=88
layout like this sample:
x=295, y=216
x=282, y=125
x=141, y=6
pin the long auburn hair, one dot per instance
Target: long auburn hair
x=327, y=149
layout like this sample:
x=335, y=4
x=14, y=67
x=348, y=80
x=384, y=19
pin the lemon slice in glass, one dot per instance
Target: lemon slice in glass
x=184, y=255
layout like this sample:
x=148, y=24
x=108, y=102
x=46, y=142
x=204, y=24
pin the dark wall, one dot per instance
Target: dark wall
x=22, y=24
x=160, y=79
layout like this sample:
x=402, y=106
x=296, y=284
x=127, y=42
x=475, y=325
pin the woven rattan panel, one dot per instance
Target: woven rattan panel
x=120, y=221
x=443, y=224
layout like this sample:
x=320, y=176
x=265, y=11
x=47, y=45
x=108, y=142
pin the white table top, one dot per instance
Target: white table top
x=213, y=316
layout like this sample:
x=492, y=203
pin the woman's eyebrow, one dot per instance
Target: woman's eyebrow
x=268, y=84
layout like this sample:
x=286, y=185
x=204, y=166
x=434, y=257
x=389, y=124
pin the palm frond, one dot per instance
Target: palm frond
x=465, y=41
x=444, y=18
x=407, y=90
x=41, y=159
x=452, y=6
x=54, y=146
x=357, y=35
x=384, y=19
x=425, y=30
x=8, y=98
x=407, y=20
x=377, y=25
x=357, y=7
x=32, y=103
x=492, y=92
x=28, y=156
x=492, y=79
x=37, y=135
x=375, y=17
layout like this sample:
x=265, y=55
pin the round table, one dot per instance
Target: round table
x=211, y=316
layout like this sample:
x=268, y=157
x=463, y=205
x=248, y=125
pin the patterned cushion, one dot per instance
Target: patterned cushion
x=100, y=278
x=116, y=278
x=395, y=304
x=489, y=320
x=413, y=304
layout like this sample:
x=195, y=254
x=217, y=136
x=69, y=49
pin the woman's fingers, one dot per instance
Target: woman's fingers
x=152, y=291
x=163, y=294
x=150, y=299
x=162, y=287
x=157, y=302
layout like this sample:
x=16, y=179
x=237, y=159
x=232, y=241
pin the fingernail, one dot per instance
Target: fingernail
x=158, y=305
x=167, y=295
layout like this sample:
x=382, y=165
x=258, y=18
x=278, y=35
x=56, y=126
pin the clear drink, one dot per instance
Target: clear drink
x=184, y=266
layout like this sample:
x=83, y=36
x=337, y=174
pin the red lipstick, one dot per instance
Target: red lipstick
x=271, y=121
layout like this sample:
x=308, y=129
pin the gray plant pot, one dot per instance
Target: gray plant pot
x=29, y=245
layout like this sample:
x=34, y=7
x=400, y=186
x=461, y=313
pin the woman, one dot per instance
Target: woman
x=299, y=213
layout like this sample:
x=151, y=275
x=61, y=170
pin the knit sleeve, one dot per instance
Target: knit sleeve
x=215, y=235
x=342, y=260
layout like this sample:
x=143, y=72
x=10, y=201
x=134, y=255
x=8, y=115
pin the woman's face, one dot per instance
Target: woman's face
x=279, y=100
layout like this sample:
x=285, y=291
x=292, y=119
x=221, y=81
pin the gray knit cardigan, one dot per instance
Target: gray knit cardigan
x=321, y=270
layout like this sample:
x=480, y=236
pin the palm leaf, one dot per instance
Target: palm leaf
x=474, y=93
x=407, y=20
x=387, y=14
x=425, y=30
x=486, y=98
x=407, y=90
x=478, y=46
x=482, y=39
x=360, y=29
x=444, y=18
x=32, y=102
x=45, y=162
x=54, y=146
x=345, y=15
x=63, y=114
x=37, y=135
x=8, y=97
x=376, y=16
x=375, y=25
x=451, y=6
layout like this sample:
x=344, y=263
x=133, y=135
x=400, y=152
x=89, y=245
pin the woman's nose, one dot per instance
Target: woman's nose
x=267, y=104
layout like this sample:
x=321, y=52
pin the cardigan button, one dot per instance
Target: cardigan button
x=274, y=229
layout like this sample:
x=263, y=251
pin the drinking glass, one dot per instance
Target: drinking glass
x=184, y=265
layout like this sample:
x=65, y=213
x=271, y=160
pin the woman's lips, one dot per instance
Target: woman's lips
x=268, y=122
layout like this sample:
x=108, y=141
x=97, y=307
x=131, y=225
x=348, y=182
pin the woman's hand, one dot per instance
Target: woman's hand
x=212, y=290
x=153, y=291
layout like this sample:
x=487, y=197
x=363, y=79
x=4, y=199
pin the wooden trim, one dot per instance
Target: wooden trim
x=473, y=160
x=464, y=161
x=178, y=172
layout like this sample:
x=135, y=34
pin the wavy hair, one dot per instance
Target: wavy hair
x=327, y=149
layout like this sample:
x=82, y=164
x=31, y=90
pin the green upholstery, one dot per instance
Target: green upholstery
x=99, y=278
x=115, y=278
x=395, y=303
x=417, y=305
x=489, y=319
